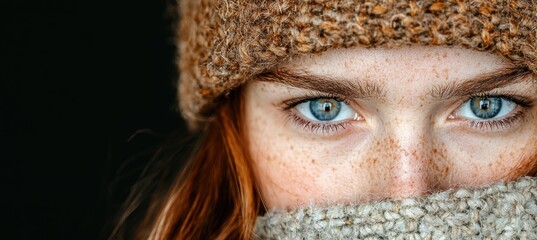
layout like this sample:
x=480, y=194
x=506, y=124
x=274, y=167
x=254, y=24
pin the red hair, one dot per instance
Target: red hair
x=215, y=196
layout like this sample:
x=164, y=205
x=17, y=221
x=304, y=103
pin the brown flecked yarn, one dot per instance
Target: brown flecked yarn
x=498, y=211
x=224, y=43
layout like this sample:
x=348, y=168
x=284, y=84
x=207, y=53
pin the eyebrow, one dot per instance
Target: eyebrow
x=368, y=90
x=352, y=89
x=482, y=83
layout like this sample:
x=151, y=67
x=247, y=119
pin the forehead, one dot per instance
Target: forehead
x=414, y=66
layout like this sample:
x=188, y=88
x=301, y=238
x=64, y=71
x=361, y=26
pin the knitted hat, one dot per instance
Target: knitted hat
x=223, y=44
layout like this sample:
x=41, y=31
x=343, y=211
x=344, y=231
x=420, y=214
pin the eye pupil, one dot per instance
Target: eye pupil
x=325, y=109
x=484, y=104
x=486, y=108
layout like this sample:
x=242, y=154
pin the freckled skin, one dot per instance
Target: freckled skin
x=405, y=145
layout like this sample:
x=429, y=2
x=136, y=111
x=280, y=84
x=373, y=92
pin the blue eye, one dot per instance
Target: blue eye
x=484, y=108
x=326, y=110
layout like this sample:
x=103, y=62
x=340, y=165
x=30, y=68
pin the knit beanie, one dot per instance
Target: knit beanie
x=223, y=44
x=498, y=211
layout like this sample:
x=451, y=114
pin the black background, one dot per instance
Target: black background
x=78, y=80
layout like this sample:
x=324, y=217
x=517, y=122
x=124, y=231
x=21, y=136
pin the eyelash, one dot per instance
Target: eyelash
x=323, y=128
x=481, y=125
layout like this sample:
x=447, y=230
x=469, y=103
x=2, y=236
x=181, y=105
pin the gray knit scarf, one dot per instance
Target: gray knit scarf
x=498, y=211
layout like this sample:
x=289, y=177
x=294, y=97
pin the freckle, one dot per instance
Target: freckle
x=313, y=161
x=446, y=73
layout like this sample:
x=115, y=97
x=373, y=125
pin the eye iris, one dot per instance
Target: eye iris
x=325, y=109
x=486, y=107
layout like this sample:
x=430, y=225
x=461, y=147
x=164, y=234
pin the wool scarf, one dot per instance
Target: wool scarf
x=498, y=211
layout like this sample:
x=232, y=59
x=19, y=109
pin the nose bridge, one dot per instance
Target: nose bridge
x=411, y=162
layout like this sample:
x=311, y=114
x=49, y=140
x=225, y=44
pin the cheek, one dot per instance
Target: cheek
x=284, y=170
x=291, y=172
x=476, y=162
x=527, y=166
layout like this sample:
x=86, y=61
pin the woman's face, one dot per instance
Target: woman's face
x=357, y=125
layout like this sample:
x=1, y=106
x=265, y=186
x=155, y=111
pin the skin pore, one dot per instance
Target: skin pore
x=405, y=125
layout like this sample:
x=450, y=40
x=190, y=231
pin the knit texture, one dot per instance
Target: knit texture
x=224, y=43
x=499, y=211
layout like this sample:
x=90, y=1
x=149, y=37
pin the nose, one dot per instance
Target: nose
x=410, y=174
x=410, y=165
